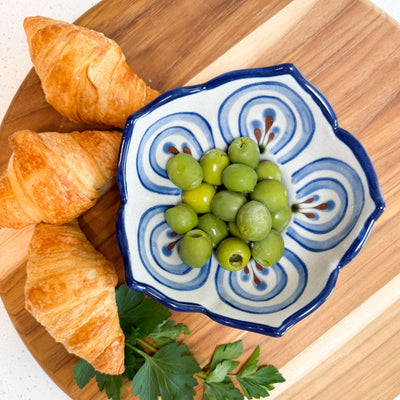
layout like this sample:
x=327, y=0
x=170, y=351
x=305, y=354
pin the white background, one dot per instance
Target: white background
x=20, y=376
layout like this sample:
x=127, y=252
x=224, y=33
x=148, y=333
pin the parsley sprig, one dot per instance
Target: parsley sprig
x=159, y=366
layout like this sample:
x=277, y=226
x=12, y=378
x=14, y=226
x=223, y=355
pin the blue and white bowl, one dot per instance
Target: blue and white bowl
x=328, y=174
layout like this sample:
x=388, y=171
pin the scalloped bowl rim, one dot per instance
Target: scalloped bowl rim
x=352, y=142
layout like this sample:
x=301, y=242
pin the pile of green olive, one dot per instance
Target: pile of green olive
x=231, y=202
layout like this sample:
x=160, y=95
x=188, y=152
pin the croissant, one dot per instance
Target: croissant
x=84, y=74
x=70, y=290
x=55, y=177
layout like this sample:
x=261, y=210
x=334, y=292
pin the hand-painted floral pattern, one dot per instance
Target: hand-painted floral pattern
x=332, y=188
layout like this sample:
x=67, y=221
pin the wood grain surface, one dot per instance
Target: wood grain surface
x=349, y=347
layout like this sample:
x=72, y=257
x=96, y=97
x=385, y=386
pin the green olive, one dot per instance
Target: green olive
x=244, y=150
x=215, y=227
x=199, y=198
x=225, y=204
x=181, y=218
x=234, y=230
x=184, y=171
x=254, y=221
x=239, y=178
x=233, y=254
x=268, y=170
x=268, y=251
x=281, y=218
x=271, y=193
x=195, y=248
x=213, y=162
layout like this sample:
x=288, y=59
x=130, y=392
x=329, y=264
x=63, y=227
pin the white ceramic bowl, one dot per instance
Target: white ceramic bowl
x=327, y=172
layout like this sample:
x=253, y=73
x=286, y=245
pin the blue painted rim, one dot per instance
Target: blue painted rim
x=352, y=142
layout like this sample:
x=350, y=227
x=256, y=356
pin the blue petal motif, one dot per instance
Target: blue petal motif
x=338, y=179
x=272, y=294
x=163, y=265
x=188, y=130
x=297, y=126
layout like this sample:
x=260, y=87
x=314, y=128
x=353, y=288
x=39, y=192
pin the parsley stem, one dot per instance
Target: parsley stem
x=142, y=353
x=201, y=375
x=148, y=345
x=143, y=343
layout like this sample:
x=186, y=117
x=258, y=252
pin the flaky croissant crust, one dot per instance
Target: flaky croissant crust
x=84, y=74
x=70, y=290
x=54, y=177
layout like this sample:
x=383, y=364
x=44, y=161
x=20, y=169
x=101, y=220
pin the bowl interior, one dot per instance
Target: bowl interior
x=330, y=180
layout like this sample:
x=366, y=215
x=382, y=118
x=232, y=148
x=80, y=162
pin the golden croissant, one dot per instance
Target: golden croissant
x=55, y=177
x=84, y=74
x=70, y=290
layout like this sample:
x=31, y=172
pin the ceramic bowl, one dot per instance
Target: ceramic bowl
x=328, y=174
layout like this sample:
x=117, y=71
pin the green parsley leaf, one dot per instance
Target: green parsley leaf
x=133, y=362
x=251, y=365
x=127, y=299
x=221, y=370
x=112, y=384
x=168, y=373
x=217, y=383
x=136, y=311
x=227, y=351
x=257, y=383
x=221, y=391
x=147, y=316
x=83, y=373
x=168, y=332
x=131, y=337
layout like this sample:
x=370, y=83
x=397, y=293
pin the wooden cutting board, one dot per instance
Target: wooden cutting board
x=349, y=347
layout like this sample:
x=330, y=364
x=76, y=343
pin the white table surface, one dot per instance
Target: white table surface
x=20, y=375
